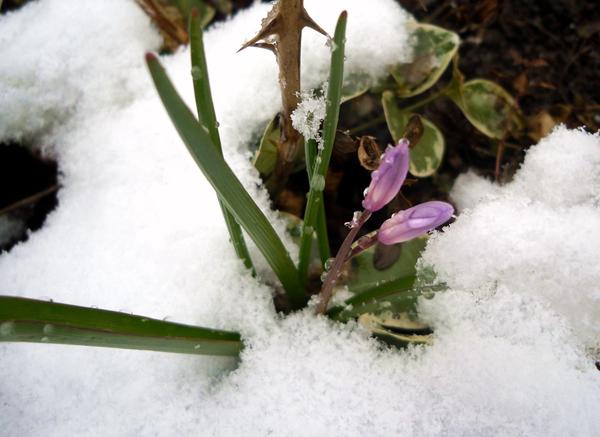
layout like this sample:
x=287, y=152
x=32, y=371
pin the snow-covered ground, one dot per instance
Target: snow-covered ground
x=138, y=229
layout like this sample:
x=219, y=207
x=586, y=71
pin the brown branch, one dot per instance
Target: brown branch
x=28, y=200
x=281, y=33
x=168, y=20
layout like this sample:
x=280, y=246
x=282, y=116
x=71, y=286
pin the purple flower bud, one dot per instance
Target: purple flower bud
x=415, y=221
x=388, y=178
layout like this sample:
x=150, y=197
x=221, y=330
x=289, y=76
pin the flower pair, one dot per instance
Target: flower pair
x=386, y=182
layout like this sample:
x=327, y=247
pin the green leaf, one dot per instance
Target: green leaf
x=426, y=157
x=265, y=158
x=37, y=321
x=396, y=296
x=366, y=276
x=376, y=290
x=207, y=116
x=317, y=180
x=489, y=107
x=226, y=184
x=434, y=48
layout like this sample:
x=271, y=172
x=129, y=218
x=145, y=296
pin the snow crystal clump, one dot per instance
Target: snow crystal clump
x=309, y=115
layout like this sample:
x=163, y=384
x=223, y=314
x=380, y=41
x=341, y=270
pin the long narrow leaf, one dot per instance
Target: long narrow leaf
x=37, y=321
x=207, y=116
x=317, y=180
x=226, y=184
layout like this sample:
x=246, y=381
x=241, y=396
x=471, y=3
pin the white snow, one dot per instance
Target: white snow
x=309, y=115
x=138, y=229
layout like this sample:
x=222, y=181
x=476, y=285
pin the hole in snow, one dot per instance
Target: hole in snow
x=28, y=194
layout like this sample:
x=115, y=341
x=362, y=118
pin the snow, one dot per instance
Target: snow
x=541, y=233
x=138, y=229
x=309, y=115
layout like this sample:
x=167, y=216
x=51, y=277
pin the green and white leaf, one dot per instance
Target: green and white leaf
x=426, y=157
x=488, y=107
x=434, y=48
x=397, y=331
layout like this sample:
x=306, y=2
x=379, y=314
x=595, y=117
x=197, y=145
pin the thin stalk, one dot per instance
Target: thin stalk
x=362, y=244
x=29, y=200
x=310, y=151
x=315, y=195
x=381, y=119
x=340, y=259
x=207, y=116
x=426, y=100
x=366, y=125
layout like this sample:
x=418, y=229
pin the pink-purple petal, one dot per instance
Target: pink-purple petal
x=415, y=221
x=387, y=180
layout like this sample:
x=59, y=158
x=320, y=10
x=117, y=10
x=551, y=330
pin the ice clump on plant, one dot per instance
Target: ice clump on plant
x=309, y=115
x=139, y=229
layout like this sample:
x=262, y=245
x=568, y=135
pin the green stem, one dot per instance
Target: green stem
x=207, y=117
x=310, y=151
x=381, y=119
x=317, y=180
x=367, y=125
x=430, y=98
x=322, y=238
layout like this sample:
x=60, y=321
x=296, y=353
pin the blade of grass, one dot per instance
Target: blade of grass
x=228, y=187
x=398, y=293
x=207, y=116
x=317, y=180
x=37, y=321
x=310, y=151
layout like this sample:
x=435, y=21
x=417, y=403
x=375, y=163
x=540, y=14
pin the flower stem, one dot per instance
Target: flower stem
x=340, y=258
x=362, y=244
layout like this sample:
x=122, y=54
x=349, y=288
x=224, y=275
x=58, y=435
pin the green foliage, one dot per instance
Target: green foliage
x=36, y=321
x=487, y=106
